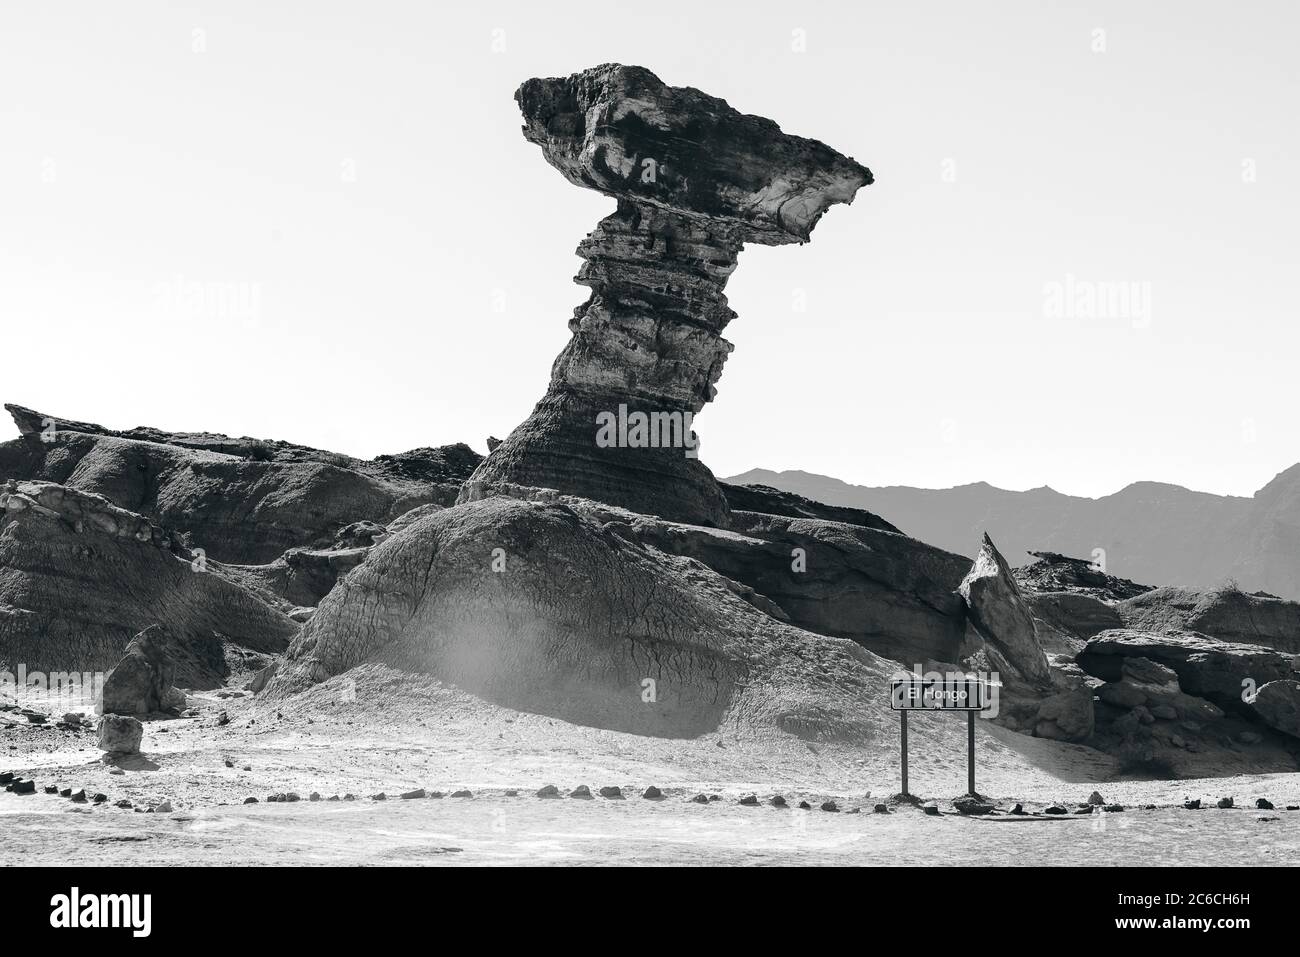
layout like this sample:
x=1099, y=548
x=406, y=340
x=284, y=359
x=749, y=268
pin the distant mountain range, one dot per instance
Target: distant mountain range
x=1150, y=532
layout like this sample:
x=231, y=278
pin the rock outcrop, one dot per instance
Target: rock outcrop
x=79, y=577
x=1052, y=572
x=543, y=608
x=119, y=735
x=695, y=180
x=998, y=612
x=1226, y=613
x=1219, y=671
x=1278, y=705
x=241, y=500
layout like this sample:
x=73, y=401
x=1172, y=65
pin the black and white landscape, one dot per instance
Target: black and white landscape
x=272, y=592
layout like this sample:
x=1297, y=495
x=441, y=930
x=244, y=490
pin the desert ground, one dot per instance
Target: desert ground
x=335, y=742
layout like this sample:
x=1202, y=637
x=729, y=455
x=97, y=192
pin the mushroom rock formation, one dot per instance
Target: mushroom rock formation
x=695, y=180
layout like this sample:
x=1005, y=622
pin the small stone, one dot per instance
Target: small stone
x=581, y=791
x=250, y=800
x=291, y=797
x=931, y=809
x=436, y=794
x=381, y=796
x=100, y=798
x=652, y=793
x=611, y=792
x=1193, y=805
x=972, y=806
x=1055, y=809
x=1114, y=808
x=51, y=789
x=805, y=806
x=411, y=795
x=24, y=787
x=223, y=718
x=777, y=800
x=715, y=797
x=229, y=763
x=1083, y=809
x=1225, y=802
x=1096, y=798
x=314, y=796
x=1264, y=804
x=750, y=800
x=1293, y=807
x=462, y=794
x=830, y=806
x=7, y=777
x=548, y=791
x=79, y=796
x=700, y=799
x=512, y=793
x=333, y=797
x=1018, y=809
x=349, y=797
x=116, y=771
x=124, y=804
x=881, y=809
x=65, y=792
x=164, y=808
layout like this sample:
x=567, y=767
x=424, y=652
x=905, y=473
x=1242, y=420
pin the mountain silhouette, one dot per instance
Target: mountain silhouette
x=1149, y=531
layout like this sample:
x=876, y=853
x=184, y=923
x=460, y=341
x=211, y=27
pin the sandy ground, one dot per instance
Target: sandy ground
x=353, y=737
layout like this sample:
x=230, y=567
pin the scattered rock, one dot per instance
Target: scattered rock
x=611, y=792
x=1096, y=798
x=100, y=798
x=25, y=787
x=462, y=794
x=881, y=809
x=1114, y=808
x=777, y=800
x=830, y=806
x=1264, y=804
x=700, y=799
x=1225, y=802
x=548, y=791
x=1193, y=805
x=750, y=800
x=805, y=806
x=381, y=796
x=1055, y=809
x=79, y=796
x=406, y=795
x=930, y=809
x=652, y=793
x=314, y=796
x=250, y=800
x=1018, y=809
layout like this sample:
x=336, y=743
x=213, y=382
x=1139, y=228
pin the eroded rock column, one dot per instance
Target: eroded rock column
x=695, y=181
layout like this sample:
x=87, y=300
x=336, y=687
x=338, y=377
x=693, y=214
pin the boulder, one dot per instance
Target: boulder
x=999, y=614
x=142, y=681
x=1278, y=705
x=695, y=180
x=1206, y=667
x=119, y=734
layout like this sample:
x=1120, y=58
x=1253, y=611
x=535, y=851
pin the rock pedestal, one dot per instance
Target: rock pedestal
x=695, y=180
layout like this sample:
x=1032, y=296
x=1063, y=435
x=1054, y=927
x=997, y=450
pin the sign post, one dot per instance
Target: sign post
x=940, y=692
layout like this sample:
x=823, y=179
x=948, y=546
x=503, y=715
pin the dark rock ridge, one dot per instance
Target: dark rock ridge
x=695, y=180
x=1051, y=572
x=241, y=500
x=1150, y=531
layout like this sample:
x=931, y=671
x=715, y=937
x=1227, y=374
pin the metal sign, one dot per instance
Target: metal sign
x=938, y=693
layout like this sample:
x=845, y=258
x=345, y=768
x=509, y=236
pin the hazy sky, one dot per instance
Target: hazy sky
x=320, y=222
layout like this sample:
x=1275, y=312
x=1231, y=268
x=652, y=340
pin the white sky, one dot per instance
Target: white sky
x=359, y=167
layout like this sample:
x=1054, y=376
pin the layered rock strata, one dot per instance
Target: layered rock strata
x=695, y=180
